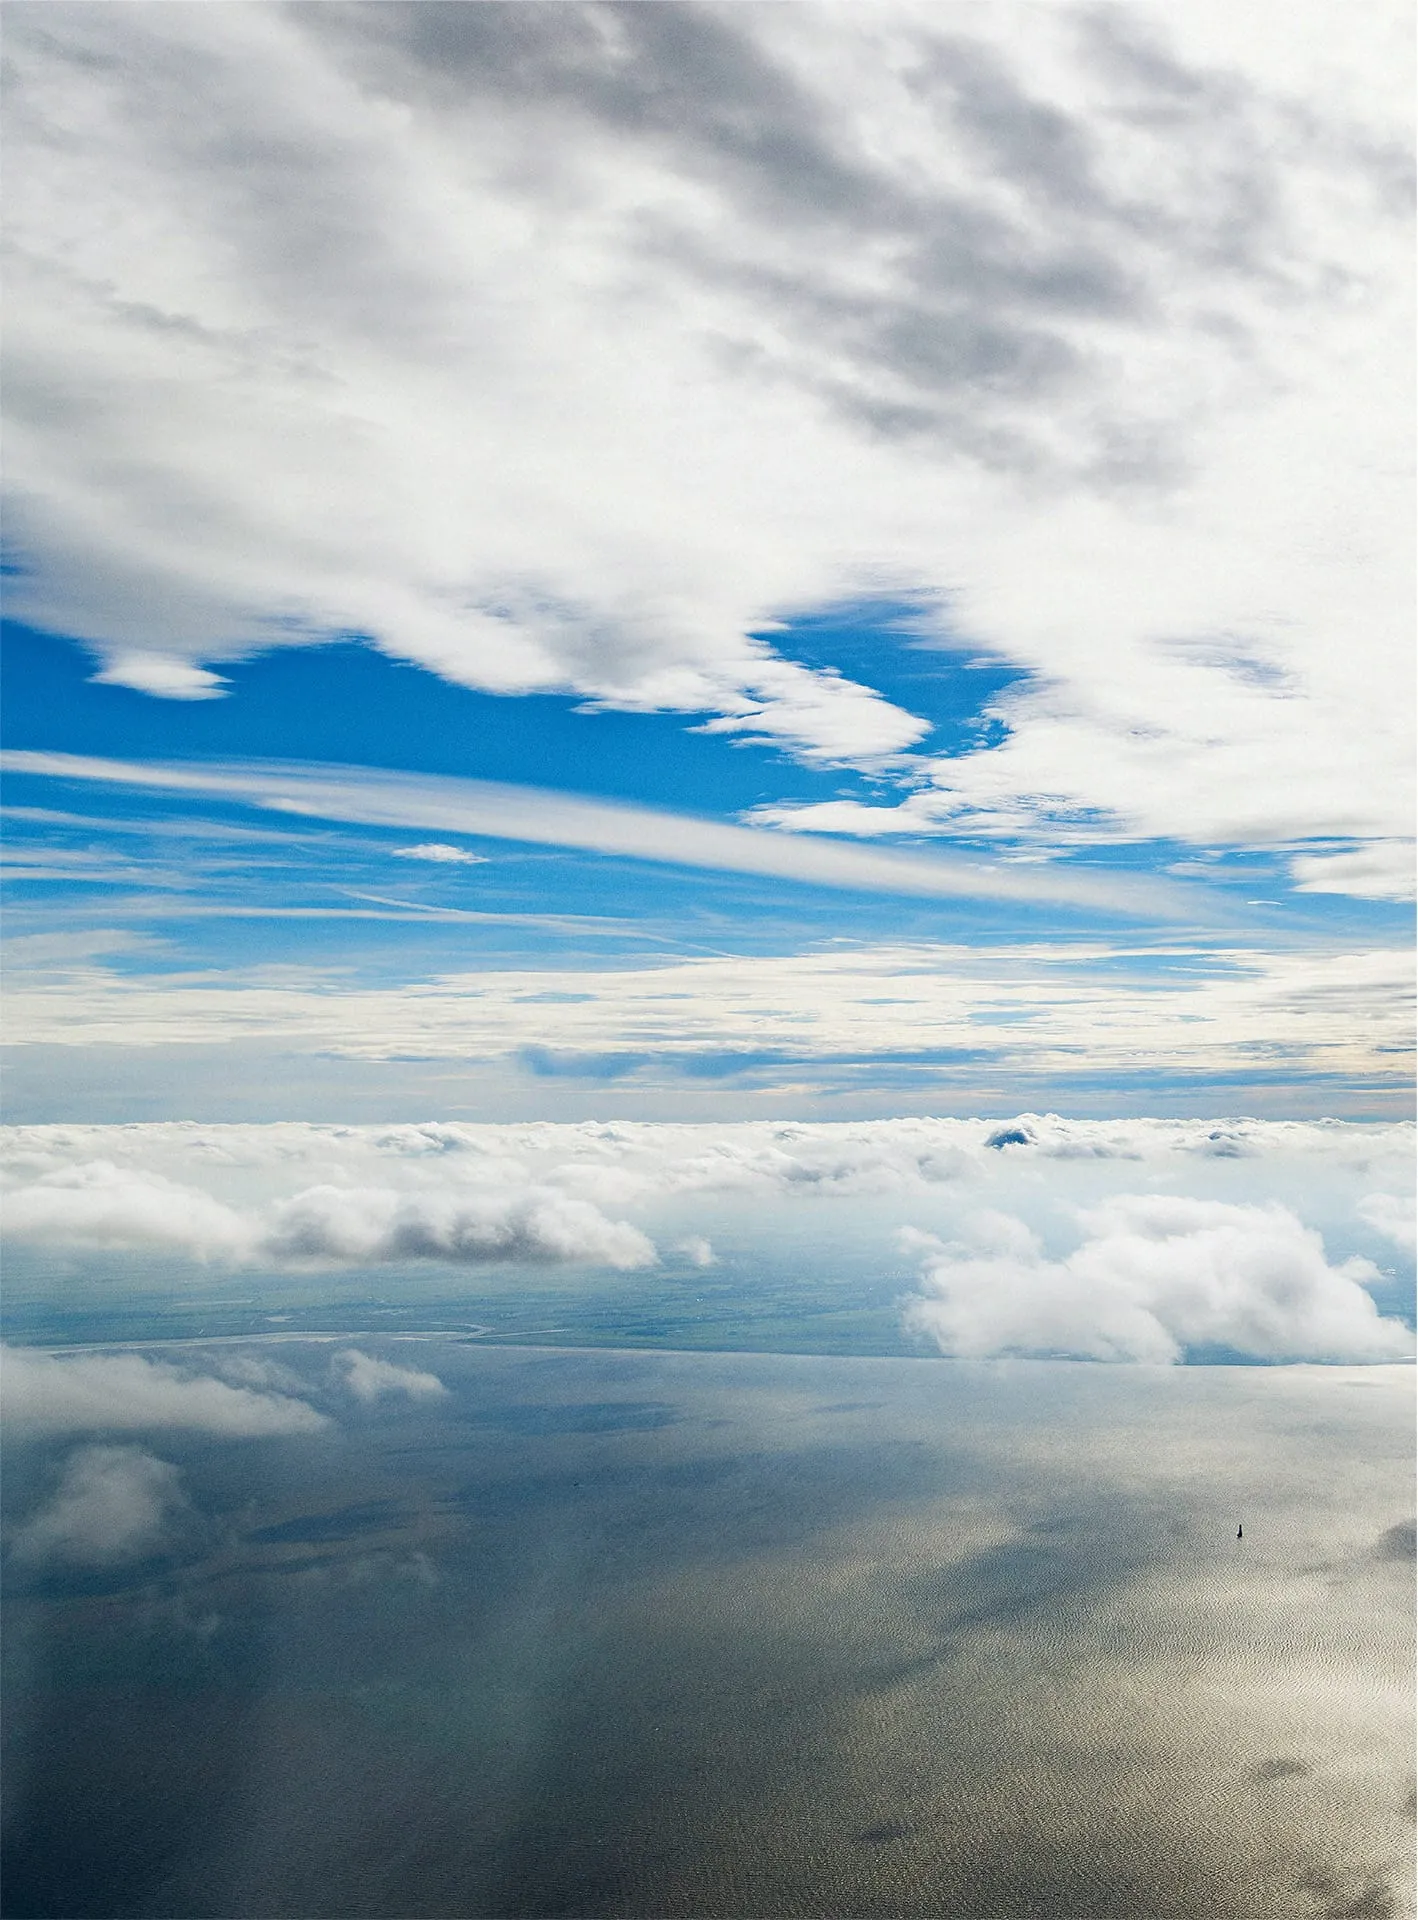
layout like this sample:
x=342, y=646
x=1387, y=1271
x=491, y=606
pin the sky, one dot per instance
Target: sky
x=687, y=563
x=729, y=685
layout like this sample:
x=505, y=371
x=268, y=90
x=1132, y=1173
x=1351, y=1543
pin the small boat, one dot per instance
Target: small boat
x=1239, y=1534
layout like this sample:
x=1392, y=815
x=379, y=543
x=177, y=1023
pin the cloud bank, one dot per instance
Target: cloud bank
x=372, y=1226
x=1155, y=1276
x=1195, y=1235
x=1084, y=1011
x=243, y=1171
x=98, y=1204
x=505, y=1219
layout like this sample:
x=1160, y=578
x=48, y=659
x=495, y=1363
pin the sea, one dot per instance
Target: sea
x=535, y=1630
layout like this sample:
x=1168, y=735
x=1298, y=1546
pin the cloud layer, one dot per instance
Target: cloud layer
x=1139, y=1239
x=1079, y=1010
x=575, y=348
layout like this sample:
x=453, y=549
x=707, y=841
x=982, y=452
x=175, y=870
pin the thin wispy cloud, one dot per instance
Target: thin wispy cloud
x=1087, y=1010
x=372, y=797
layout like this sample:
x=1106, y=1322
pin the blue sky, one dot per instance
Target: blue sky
x=528, y=600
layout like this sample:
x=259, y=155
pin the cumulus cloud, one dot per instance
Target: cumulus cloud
x=1251, y=1275
x=1156, y=1276
x=127, y=1393
x=112, y=1504
x=439, y=853
x=576, y=348
x=369, y=1378
x=345, y=1225
x=98, y=1204
x=1392, y=1215
x=698, y=1251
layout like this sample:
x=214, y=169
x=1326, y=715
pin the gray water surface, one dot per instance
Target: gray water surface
x=610, y=1633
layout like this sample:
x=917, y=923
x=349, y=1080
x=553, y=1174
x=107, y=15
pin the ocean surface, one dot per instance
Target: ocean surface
x=648, y=1633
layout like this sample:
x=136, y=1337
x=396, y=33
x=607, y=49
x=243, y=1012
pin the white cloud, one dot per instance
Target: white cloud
x=97, y=1204
x=161, y=674
x=369, y=1379
x=1392, y=1215
x=1194, y=1233
x=568, y=349
x=371, y=797
x=372, y=1224
x=602, y=1193
x=250, y=1169
x=440, y=854
x=1157, y=1275
x=1075, y=1010
x=126, y=1393
x=112, y=1504
x=1383, y=870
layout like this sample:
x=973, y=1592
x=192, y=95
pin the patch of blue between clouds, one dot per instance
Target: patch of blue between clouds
x=345, y=703
x=915, y=1067
x=725, y=1063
